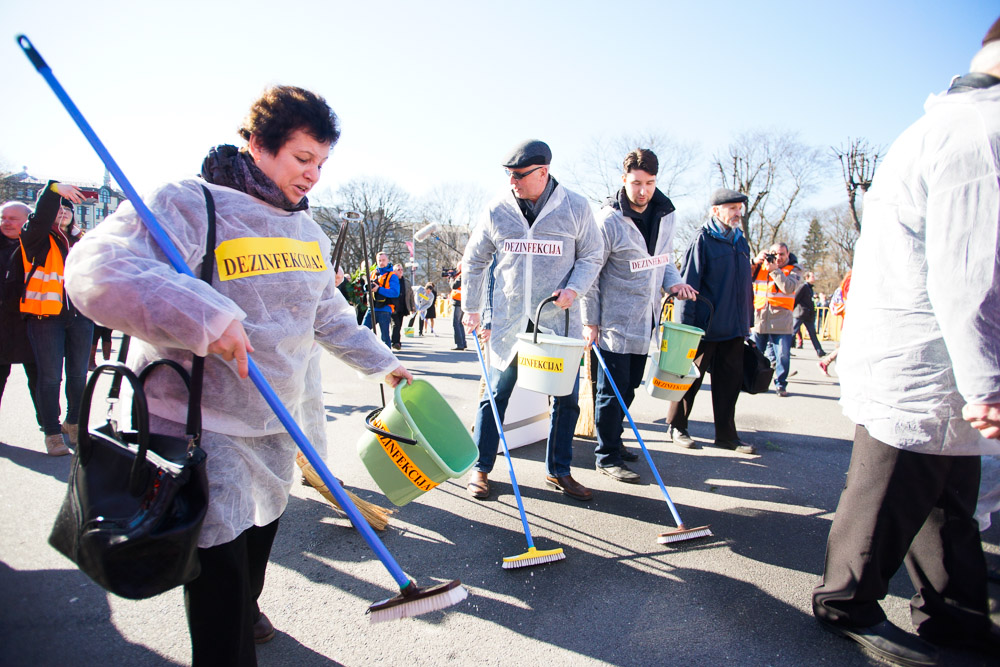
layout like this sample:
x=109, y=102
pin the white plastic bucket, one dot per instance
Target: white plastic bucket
x=547, y=363
x=665, y=385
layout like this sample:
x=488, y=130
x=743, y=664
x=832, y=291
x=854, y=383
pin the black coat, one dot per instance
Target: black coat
x=15, y=347
x=804, y=306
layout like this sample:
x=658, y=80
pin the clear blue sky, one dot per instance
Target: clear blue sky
x=437, y=92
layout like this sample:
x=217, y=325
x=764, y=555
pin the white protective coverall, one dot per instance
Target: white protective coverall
x=278, y=284
x=561, y=249
x=625, y=299
x=922, y=335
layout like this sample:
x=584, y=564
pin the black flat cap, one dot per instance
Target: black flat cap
x=529, y=153
x=727, y=196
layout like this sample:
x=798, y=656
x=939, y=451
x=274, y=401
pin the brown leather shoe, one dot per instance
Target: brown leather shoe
x=570, y=487
x=263, y=631
x=479, y=486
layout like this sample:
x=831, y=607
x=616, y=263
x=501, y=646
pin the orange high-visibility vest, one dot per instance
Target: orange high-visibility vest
x=766, y=292
x=43, y=290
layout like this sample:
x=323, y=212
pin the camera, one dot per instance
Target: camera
x=771, y=257
x=448, y=273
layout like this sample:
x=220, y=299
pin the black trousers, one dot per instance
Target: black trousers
x=724, y=359
x=31, y=372
x=900, y=506
x=809, y=322
x=397, y=325
x=221, y=603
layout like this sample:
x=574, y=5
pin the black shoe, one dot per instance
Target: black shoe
x=737, y=446
x=629, y=455
x=621, y=473
x=986, y=642
x=887, y=642
x=458, y=348
x=681, y=438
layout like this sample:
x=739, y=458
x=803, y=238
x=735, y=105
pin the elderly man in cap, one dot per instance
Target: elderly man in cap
x=717, y=265
x=920, y=371
x=622, y=309
x=513, y=277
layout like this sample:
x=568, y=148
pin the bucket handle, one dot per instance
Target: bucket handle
x=385, y=434
x=711, y=309
x=538, y=315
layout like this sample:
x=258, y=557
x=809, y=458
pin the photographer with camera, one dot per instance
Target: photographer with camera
x=775, y=282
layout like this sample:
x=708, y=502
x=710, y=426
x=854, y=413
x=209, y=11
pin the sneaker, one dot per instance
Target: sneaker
x=71, y=431
x=737, y=446
x=54, y=445
x=681, y=438
x=620, y=472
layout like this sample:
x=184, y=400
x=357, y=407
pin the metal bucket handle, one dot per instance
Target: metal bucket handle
x=711, y=309
x=385, y=434
x=538, y=315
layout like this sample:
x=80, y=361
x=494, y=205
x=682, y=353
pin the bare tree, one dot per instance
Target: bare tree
x=456, y=208
x=598, y=174
x=776, y=172
x=858, y=160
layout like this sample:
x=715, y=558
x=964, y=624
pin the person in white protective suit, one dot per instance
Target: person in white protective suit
x=920, y=375
x=545, y=243
x=273, y=295
x=622, y=309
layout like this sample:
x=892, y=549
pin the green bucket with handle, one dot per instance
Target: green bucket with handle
x=415, y=443
x=679, y=343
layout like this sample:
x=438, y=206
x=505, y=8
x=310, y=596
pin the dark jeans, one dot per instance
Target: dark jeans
x=31, y=372
x=382, y=319
x=809, y=322
x=724, y=359
x=626, y=371
x=900, y=506
x=558, y=449
x=221, y=603
x=456, y=323
x=55, y=340
x=397, y=326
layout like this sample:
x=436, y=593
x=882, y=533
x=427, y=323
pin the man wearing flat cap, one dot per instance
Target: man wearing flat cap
x=919, y=369
x=717, y=265
x=507, y=272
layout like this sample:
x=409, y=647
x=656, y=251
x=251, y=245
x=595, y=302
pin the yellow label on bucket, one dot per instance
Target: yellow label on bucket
x=670, y=386
x=402, y=461
x=547, y=364
x=663, y=345
x=693, y=351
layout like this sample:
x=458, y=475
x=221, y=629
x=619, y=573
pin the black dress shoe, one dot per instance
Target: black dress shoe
x=629, y=456
x=887, y=642
x=263, y=631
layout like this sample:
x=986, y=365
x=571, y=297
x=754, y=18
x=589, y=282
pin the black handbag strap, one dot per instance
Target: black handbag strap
x=198, y=365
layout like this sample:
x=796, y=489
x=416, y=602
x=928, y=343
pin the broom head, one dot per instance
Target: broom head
x=414, y=600
x=680, y=534
x=533, y=557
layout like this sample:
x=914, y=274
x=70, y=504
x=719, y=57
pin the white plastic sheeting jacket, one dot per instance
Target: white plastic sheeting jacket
x=119, y=277
x=522, y=276
x=625, y=299
x=922, y=332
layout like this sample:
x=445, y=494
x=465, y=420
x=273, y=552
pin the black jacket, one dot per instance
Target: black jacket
x=15, y=347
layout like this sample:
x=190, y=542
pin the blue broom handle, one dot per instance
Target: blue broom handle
x=168, y=248
x=652, y=466
x=503, y=439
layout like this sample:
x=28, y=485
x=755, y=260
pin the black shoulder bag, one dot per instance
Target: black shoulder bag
x=136, y=500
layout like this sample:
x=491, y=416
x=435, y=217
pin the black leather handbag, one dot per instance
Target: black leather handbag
x=757, y=370
x=135, y=500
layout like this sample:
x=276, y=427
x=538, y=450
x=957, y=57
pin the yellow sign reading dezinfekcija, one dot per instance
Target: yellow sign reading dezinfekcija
x=245, y=257
x=415, y=475
x=547, y=364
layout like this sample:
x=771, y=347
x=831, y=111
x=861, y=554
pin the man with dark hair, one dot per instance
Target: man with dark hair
x=920, y=371
x=505, y=246
x=621, y=310
x=776, y=279
x=805, y=315
x=717, y=264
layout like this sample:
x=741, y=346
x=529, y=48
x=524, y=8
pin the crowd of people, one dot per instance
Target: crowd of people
x=920, y=365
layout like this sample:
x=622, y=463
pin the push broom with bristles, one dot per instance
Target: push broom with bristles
x=532, y=556
x=412, y=599
x=681, y=532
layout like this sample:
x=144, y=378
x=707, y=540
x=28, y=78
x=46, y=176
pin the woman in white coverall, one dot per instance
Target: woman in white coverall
x=273, y=294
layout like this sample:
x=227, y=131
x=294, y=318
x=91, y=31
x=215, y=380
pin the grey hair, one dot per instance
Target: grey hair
x=13, y=204
x=397, y=267
x=987, y=59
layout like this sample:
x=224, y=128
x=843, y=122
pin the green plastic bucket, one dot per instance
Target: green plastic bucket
x=415, y=443
x=678, y=347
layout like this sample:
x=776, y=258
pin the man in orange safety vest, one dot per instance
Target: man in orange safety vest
x=776, y=280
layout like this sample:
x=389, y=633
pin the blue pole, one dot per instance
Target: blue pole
x=167, y=246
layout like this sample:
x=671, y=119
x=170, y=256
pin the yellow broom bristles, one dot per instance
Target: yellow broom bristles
x=376, y=516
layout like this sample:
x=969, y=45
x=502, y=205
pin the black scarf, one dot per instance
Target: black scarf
x=973, y=81
x=233, y=168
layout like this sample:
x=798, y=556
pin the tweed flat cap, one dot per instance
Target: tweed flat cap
x=529, y=153
x=727, y=196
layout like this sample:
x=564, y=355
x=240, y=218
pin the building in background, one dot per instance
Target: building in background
x=101, y=200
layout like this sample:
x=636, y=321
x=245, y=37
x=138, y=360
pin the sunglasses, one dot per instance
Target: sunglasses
x=518, y=176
